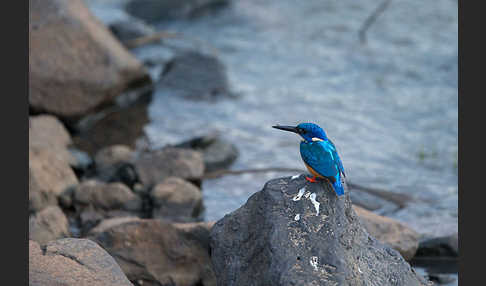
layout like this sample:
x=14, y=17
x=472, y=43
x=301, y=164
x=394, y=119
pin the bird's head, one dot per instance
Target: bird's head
x=309, y=131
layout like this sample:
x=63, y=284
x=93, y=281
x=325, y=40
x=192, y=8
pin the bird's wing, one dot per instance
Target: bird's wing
x=320, y=157
x=338, y=159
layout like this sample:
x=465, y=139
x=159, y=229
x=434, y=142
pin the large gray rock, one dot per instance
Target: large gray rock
x=154, y=252
x=206, y=73
x=176, y=199
x=160, y=10
x=72, y=261
x=48, y=224
x=87, y=68
x=154, y=167
x=281, y=238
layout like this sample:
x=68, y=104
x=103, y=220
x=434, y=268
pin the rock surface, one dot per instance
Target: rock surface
x=160, y=10
x=207, y=76
x=104, y=196
x=153, y=252
x=95, y=201
x=398, y=236
x=109, y=159
x=176, y=200
x=48, y=224
x=118, y=125
x=99, y=66
x=72, y=261
x=49, y=177
x=154, y=167
x=281, y=238
x=439, y=246
x=47, y=133
x=218, y=153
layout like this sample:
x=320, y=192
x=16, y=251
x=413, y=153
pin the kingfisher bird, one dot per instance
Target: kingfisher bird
x=319, y=154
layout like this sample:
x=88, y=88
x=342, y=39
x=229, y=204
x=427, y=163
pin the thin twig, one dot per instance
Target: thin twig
x=156, y=37
x=145, y=40
x=220, y=173
x=371, y=19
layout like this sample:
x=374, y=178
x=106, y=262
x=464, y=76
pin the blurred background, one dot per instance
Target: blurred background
x=381, y=77
x=389, y=103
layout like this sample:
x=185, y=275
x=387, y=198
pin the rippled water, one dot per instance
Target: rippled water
x=390, y=106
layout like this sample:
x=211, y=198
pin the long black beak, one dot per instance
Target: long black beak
x=287, y=128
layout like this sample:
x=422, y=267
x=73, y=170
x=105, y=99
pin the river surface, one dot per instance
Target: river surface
x=390, y=106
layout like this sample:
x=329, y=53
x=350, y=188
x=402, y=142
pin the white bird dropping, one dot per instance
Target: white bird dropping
x=315, y=203
x=314, y=262
x=299, y=195
x=297, y=217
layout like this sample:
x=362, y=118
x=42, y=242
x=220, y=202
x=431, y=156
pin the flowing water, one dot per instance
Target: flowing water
x=390, y=106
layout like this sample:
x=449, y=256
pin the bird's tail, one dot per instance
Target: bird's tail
x=339, y=185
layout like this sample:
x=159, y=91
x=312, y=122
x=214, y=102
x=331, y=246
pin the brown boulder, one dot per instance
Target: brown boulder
x=109, y=159
x=154, y=252
x=46, y=132
x=49, y=177
x=106, y=196
x=48, y=224
x=122, y=124
x=176, y=199
x=95, y=201
x=397, y=235
x=75, y=62
x=111, y=222
x=72, y=261
x=154, y=167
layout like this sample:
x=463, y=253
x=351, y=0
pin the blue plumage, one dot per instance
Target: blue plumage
x=319, y=154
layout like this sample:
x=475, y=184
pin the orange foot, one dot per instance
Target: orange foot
x=312, y=180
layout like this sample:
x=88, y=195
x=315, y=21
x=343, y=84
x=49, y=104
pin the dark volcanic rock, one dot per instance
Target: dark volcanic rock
x=154, y=252
x=72, y=261
x=278, y=239
x=397, y=235
x=217, y=152
x=206, y=74
x=87, y=68
x=160, y=10
x=48, y=224
x=176, y=200
x=154, y=167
